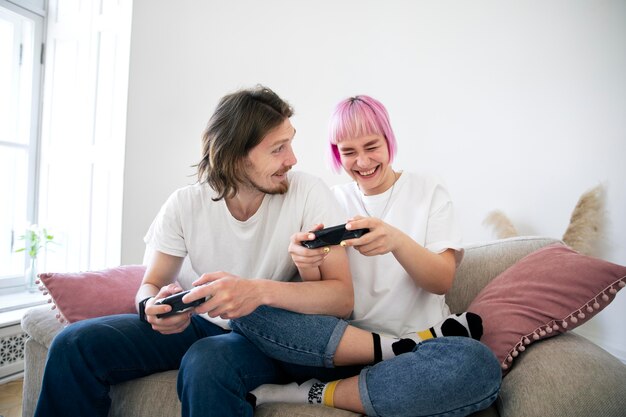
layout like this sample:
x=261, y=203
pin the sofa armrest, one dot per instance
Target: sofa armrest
x=485, y=261
x=41, y=324
x=564, y=376
x=34, y=363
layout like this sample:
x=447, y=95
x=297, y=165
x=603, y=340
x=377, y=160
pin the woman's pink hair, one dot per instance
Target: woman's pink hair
x=355, y=117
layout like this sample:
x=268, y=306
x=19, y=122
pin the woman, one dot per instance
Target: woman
x=401, y=270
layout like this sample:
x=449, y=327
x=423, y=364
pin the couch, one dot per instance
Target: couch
x=560, y=376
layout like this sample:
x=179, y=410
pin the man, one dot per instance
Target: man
x=234, y=227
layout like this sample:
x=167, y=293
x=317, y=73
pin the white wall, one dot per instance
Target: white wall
x=519, y=105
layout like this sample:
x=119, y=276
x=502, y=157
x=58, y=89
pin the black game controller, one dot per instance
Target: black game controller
x=176, y=301
x=333, y=236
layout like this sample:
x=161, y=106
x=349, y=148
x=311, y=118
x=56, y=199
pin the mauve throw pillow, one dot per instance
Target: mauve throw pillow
x=548, y=292
x=84, y=295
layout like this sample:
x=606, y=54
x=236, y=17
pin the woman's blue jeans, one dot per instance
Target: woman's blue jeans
x=449, y=376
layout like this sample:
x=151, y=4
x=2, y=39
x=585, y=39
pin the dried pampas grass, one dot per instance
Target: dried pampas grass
x=585, y=226
x=587, y=221
x=501, y=224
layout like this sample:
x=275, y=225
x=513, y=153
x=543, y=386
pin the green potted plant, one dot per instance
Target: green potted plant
x=35, y=239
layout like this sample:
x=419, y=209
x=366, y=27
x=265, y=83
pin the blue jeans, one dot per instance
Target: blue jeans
x=217, y=368
x=449, y=376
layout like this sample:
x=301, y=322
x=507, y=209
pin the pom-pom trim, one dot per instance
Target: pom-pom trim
x=553, y=327
x=50, y=300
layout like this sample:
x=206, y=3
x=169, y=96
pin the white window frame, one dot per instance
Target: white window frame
x=101, y=29
x=13, y=283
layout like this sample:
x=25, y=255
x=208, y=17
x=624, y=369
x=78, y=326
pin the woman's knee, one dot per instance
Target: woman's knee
x=444, y=375
x=466, y=366
x=478, y=360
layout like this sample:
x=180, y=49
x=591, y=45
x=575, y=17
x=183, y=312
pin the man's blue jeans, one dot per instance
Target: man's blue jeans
x=449, y=376
x=217, y=368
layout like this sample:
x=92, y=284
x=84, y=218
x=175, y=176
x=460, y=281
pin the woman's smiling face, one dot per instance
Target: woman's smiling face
x=366, y=160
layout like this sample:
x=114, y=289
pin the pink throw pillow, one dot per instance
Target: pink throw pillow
x=84, y=295
x=548, y=292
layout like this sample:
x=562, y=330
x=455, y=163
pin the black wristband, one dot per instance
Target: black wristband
x=378, y=352
x=141, y=308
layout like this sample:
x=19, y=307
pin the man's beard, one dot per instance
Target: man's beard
x=282, y=188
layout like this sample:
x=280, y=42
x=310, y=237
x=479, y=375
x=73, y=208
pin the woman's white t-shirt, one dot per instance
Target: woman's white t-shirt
x=190, y=224
x=387, y=300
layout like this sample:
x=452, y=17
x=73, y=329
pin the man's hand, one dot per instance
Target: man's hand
x=306, y=260
x=167, y=325
x=230, y=296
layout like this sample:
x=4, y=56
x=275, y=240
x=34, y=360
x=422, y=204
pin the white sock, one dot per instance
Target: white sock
x=290, y=393
x=309, y=392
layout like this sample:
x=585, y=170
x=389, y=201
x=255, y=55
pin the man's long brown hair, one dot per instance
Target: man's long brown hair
x=239, y=123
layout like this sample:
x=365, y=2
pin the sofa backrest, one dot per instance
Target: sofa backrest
x=483, y=262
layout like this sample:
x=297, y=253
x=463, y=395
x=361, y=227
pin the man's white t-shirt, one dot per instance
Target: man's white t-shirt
x=190, y=224
x=387, y=300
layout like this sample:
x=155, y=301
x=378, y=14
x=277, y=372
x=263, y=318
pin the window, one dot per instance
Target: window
x=62, y=157
x=83, y=132
x=20, y=72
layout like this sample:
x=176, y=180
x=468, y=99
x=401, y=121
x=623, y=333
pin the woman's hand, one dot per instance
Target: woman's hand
x=382, y=237
x=434, y=272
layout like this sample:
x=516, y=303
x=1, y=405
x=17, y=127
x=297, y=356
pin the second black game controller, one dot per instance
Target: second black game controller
x=177, y=303
x=333, y=236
